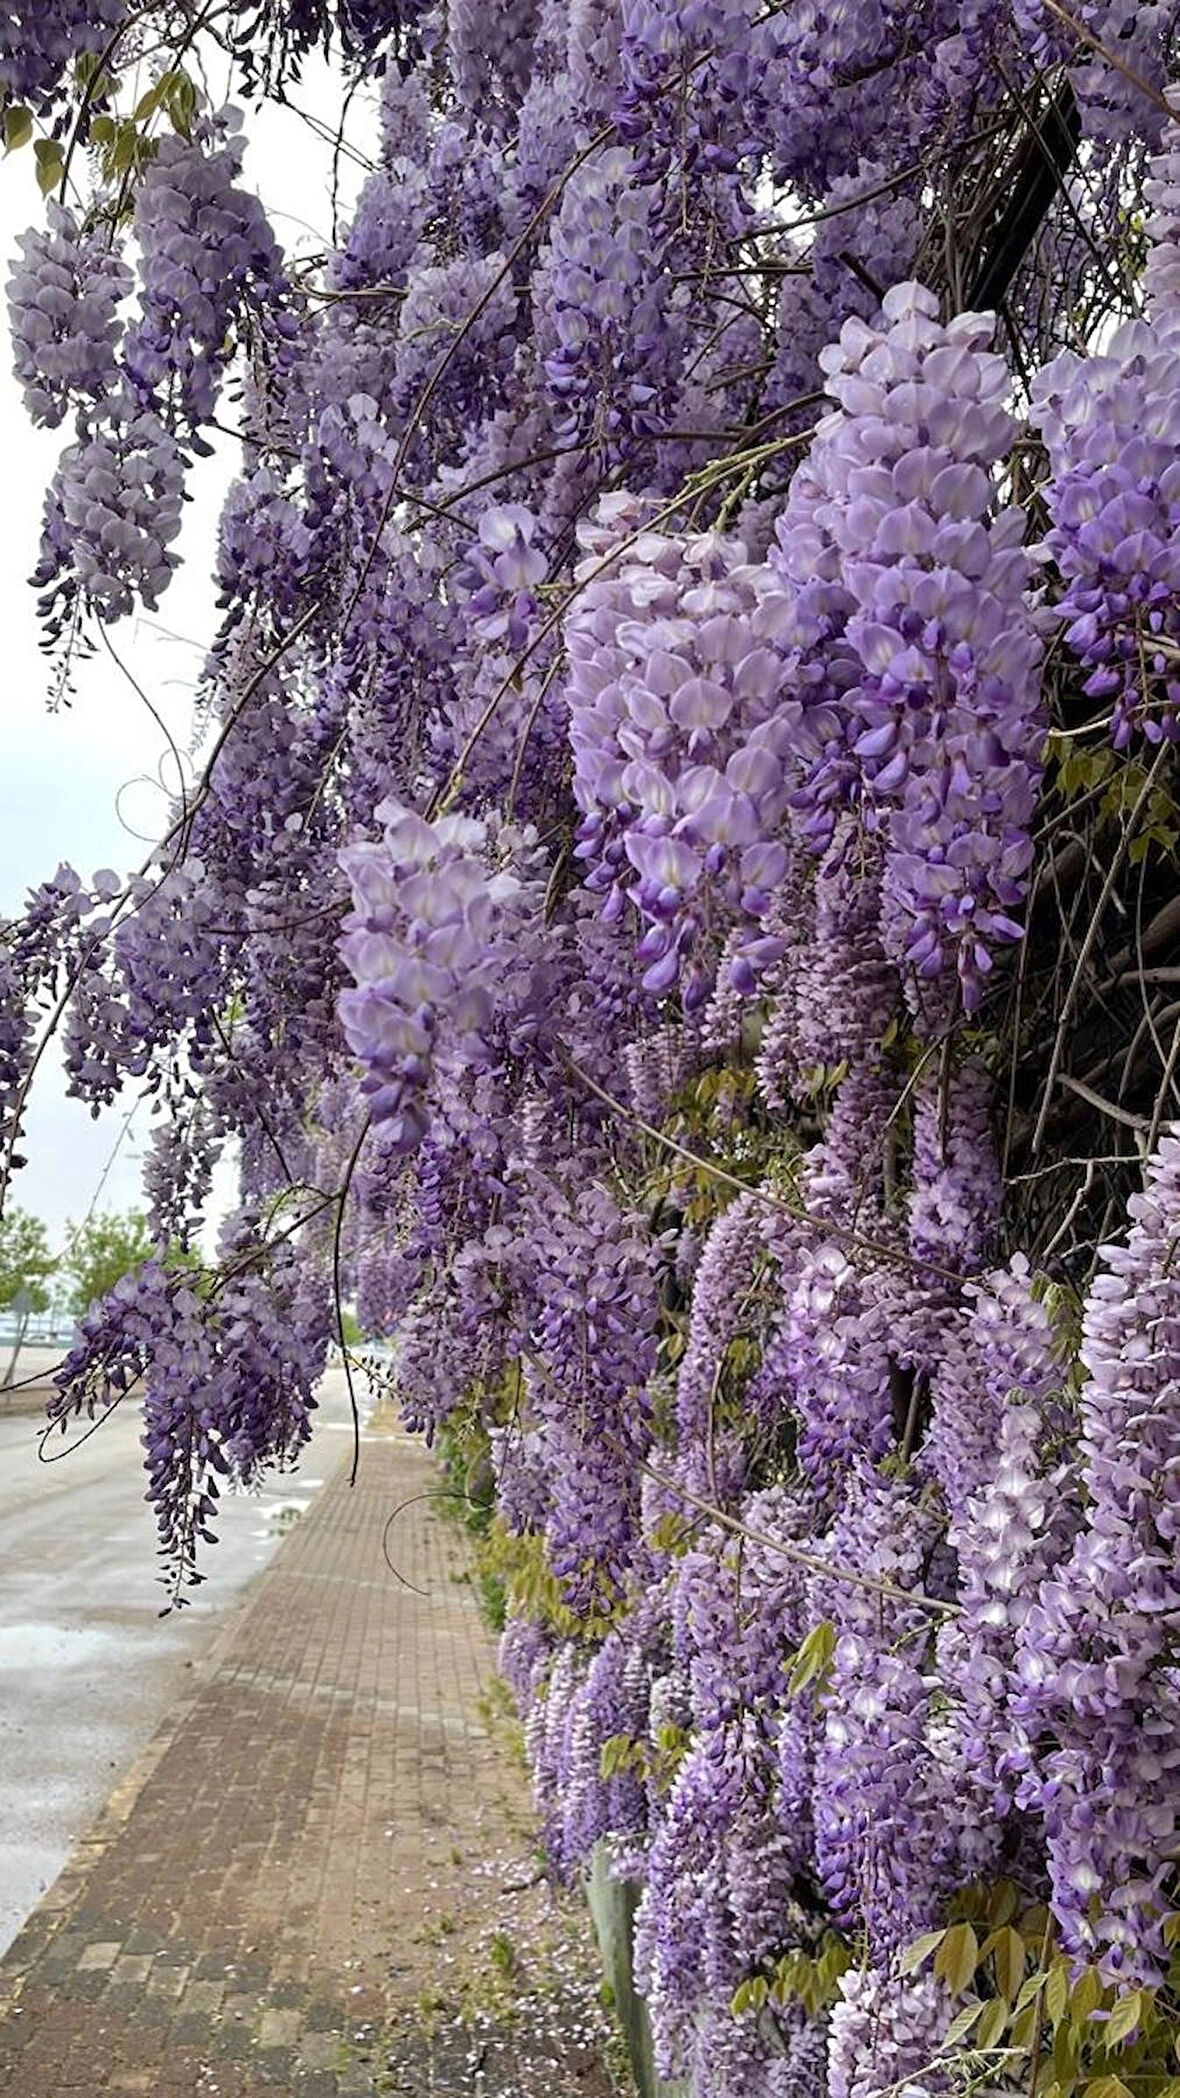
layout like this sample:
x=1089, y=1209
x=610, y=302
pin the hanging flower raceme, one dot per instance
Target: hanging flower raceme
x=1111, y=424
x=433, y=945
x=884, y=1838
x=111, y=516
x=901, y=554
x=208, y=256
x=1098, y=1693
x=228, y=1368
x=683, y=747
x=957, y=1196
x=592, y=1339
x=609, y=334
x=63, y=303
x=41, y=39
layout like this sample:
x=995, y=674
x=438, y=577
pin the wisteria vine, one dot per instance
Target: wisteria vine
x=677, y=920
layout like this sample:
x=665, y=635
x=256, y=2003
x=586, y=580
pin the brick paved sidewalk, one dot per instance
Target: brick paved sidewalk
x=321, y=1878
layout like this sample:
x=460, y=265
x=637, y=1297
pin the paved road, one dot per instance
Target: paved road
x=322, y=1881
x=88, y=1668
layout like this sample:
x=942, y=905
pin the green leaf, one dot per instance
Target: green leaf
x=1057, y=1992
x=1085, y=1996
x=749, y=1995
x=1067, y=2047
x=1024, y=2026
x=165, y=87
x=1030, y=1990
x=1008, y=1953
x=50, y=161
x=1106, y=2087
x=125, y=148
x=961, y=2024
x=182, y=103
x=991, y=2025
x=919, y=1952
x=1003, y=1903
x=957, y=1957
x=18, y=126
x=813, y=1661
x=1124, y=2018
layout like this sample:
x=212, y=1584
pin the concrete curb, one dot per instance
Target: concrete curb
x=24, y=1401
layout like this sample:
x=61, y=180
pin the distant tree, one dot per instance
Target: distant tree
x=100, y=1251
x=26, y=1262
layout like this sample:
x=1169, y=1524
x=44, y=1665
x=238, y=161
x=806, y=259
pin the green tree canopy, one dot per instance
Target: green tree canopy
x=100, y=1250
x=25, y=1260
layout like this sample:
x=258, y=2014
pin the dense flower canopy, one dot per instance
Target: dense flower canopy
x=676, y=923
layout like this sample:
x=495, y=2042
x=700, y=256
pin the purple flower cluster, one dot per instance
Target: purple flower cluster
x=1110, y=425
x=490, y=53
x=111, y=515
x=694, y=79
x=893, y=536
x=833, y=1352
x=207, y=253
x=40, y=40
x=1098, y=1692
x=1000, y=1342
x=957, y=1194
x=422, y=945
x=866, y=241
x=882, y=1832
x=63, y=302
x=593, y=1339
x=504, y=566
x=683, y=746
x=605, y=326
x=588, y=931
x=228, y=1374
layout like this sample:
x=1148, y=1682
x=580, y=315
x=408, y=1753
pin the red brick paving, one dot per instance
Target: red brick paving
x=259, y=1907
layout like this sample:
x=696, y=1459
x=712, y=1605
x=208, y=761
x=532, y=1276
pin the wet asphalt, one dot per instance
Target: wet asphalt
x=88, y=1667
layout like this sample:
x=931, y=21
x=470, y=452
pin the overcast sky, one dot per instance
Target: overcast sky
x=89, y=783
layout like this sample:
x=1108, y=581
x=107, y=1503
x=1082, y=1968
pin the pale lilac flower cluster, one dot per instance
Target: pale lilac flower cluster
x=41, y=39
x=887, y=2032
x=881, y=1832
x=833, y=1350
x=228, y=1378
x=427, y=942
x=63, y=303
x=893, y=525
x=1098, y=1686
x=207, y=255
x=998, y=1344
x=605, y=327
x=1008, y=1536
x=504, y=567
x=111, y=515
x=957, y=1195
x=683, y=745
x=1111, y=423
